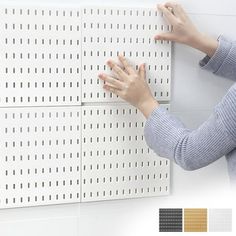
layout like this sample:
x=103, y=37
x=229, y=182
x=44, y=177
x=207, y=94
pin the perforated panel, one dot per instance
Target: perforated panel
x=40, y=156
x=40, y=56
x=116, y=163
x=106, y=32
x=59, y=137
x=220, y=220
x=170, y=220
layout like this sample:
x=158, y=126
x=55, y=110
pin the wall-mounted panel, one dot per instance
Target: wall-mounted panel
x=63, y=138
x=40, y=56
x=108, y=32
x=116, y=162
x=40, y=156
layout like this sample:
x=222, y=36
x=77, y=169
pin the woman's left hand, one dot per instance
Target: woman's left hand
x=130, y=85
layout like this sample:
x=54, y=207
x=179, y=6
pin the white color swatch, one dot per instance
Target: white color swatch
x=220, y=220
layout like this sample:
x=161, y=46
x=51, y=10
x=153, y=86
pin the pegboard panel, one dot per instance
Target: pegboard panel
x=63, y=137
x=40, y=56
x=40, y=156
x=116, y=162
x=106, y=32
x=42, y=62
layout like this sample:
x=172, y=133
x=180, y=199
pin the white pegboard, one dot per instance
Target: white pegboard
x=106, y=32
x=40, y=156
x=116, y=162
x=59, y=137
x=40, y=56
x=42, y=62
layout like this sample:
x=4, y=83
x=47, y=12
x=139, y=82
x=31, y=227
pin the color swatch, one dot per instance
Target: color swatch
x=170, y=220
x=195, y=220
x=220, y=220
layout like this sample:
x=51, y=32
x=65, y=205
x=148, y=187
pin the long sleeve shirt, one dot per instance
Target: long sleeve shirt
x=216, y=137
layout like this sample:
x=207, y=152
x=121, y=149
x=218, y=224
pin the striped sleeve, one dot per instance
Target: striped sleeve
x=223, y=62
x=194, y=149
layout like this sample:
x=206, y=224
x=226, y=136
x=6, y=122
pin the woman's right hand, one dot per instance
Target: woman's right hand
x=183, y=30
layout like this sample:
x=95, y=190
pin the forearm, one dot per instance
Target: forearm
x=193, y=149
x=148, y=106
x=203, y=146
x=184, y=31
x=204, y=44
x=223, y=62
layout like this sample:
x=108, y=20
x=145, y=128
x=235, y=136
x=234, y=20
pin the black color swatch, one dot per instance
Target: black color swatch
x=170, y=220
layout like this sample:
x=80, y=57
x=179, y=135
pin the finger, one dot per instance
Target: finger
x=121, y=74
x=177, y=9
x=126, y=65
x=112, y=89
x=168, y=15
x=165, y=36
x=112, y=81
x=142, y=72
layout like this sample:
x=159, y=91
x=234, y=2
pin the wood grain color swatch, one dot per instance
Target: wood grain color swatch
x=195, y=220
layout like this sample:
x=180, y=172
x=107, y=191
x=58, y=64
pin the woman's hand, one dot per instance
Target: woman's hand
x=130, y=85
x=184, y=31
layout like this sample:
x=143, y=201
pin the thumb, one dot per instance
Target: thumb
x=142, y=71
x=165, y=36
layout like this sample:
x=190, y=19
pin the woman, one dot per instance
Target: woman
x=164, y=133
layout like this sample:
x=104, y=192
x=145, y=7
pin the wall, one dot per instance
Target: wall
x=194, y=94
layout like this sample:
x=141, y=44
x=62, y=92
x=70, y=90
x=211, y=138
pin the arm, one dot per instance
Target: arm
x=223, y=62
x=184, y=31
x=164, y=133
x=132, y=86
x=168, y=137
x=221, y=53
